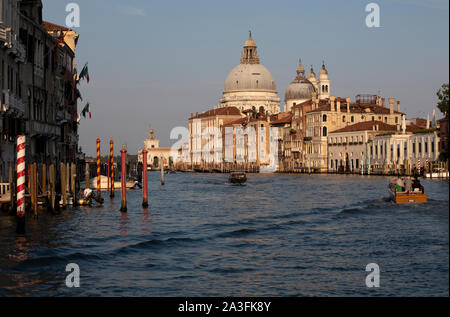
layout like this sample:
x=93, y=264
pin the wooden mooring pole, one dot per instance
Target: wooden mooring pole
x=34, y=190
x=52, y=187
x=86, y=175
x=63, y=184
x=44, y=179
x=73, y=175
x=144, y=179
x=162, y=170
x=11, y=189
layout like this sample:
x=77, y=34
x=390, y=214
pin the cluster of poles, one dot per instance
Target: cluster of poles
x=67, y=182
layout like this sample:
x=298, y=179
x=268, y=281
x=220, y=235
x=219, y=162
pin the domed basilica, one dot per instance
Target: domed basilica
x=251, y=86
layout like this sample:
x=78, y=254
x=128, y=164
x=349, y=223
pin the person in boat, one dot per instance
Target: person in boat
x=87, y=193
x=416, y=184
x=400, y=185
x=408, y=185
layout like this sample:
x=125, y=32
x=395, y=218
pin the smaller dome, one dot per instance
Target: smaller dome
x=300, y=88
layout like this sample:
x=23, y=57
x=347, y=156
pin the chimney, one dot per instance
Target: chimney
x=391, y=105
x=382, y=102
x=196, y=114
x=332, y=107
x=398, y=105
x=348, y=104
x=338, y=105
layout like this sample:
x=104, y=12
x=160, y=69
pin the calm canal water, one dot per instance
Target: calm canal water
x=281, y=235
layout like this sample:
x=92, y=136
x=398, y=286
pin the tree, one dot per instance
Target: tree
x=443, y=99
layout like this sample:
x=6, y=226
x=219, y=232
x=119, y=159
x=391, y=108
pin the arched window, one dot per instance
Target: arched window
x=324, y=132
x=324, y=118
x=352, y=119
x=343, y=118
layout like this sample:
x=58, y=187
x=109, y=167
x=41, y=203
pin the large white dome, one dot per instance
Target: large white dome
x=250, y=77
x=250, y=85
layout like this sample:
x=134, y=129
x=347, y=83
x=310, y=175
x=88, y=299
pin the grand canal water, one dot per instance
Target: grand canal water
x=281, y=235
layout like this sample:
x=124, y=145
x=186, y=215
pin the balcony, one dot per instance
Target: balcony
x=38, y=128
x=10, y=102
x=11, y=42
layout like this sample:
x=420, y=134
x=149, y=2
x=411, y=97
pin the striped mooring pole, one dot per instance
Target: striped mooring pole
x=144, y=179
x=20, y=184
x=123, y=176
x=111, y=154
x=98, y=167
x=418, y=166
x=108, y=173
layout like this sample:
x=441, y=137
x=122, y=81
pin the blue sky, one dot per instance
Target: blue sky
x=155, y=62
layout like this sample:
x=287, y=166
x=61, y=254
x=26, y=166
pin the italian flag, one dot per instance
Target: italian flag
x=85, y=72
x=86, y=109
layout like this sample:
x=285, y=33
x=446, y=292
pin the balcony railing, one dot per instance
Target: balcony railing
x=44, y=129
x=12, y=43
x=11, y=102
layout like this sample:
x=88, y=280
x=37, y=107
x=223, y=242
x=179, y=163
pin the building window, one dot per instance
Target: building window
x=352, y=119
x=343, y=118
x=385, y=120
x=324, y=118
x=324, y=131
x=396, y=119
x=373, y=118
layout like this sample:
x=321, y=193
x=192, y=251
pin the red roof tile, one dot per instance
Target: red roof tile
x=283, y=120
x=54, y=27
x=225, y=111
x=367, y=125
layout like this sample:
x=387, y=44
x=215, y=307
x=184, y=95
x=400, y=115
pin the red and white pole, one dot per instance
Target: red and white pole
x=123, y=175
x=20, y=184
x=144, y=179
x=109, y=161
x=98, y=167
x=111, y=155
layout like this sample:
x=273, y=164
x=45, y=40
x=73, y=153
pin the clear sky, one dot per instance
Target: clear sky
x=155, y=62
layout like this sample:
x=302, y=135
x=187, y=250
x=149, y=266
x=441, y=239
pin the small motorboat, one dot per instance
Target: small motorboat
x=238, y=177
x=400, y=195
x=130, y=184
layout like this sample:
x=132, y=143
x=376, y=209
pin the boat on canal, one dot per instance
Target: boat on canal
x=238, y=178
x=401, y=194
x=130, y=184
